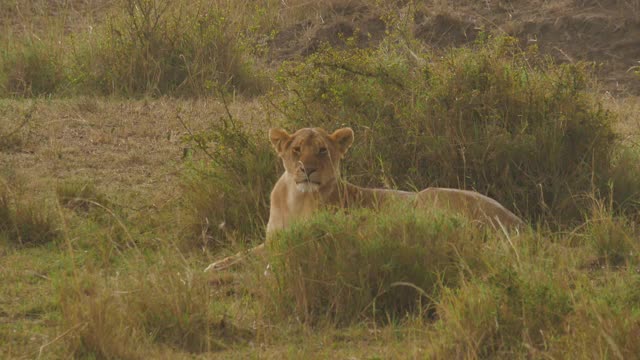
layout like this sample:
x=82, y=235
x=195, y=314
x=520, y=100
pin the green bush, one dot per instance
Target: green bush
x=160, y=47
x=531, y=298
x=145, y=47
x=490, y=295
x=227, y=194
x=348, y=266
x=488, y=117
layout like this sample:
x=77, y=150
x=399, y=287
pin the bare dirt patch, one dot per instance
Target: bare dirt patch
x=137, y=146
x=330, y=24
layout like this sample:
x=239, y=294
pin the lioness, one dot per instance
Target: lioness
x=311, y=179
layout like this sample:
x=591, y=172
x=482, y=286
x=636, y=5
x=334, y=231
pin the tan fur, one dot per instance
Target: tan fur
x=311, y=180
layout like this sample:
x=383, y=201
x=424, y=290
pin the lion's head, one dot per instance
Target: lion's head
x=311, y=156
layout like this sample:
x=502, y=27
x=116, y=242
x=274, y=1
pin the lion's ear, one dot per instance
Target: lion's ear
x=343, y=139
x=279, y=138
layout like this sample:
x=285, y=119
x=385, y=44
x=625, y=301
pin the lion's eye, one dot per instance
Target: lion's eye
x=296, y=150
x=322, y=151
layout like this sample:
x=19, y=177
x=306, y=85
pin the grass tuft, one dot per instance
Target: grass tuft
x=26, y=222
x=79, y=195
x=347, y=267
x=614, y=239
x=164, y=305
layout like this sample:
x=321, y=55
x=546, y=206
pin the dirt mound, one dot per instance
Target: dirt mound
x=349, y=20
x=444, y=30
x=607, y=36
x=605, y=32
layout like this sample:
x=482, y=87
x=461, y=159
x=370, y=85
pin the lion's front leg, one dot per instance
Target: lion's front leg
x=234, y=259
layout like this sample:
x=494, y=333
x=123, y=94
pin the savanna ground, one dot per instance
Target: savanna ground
x=133, y=152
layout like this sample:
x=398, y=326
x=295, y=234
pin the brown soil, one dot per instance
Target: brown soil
x=606, y=32
x=131, y=147
x=305, y=37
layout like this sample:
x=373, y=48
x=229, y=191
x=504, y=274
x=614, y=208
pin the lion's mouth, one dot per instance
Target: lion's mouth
x=307, y=186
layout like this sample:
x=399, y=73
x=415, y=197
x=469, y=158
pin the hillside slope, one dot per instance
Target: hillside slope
x=605, y=32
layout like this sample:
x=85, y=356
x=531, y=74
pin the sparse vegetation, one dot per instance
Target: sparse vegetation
x=13, y=133
x=133, y=152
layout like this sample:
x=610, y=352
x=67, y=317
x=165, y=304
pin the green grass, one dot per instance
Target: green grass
x=31, y=66
x=476, y=294
x=488, y=117
x=347, y=267
x=125, y=280
x=80, y=195
x=109, y=265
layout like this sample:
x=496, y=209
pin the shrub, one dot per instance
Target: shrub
x=363, y=264
x=488, y=117
x=513, y=305
x=159, y=47
x=228, y=194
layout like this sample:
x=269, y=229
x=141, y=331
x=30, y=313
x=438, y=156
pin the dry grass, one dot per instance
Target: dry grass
x=169, y=305
x=628, y=109
x=133, y=145
x=119, y=282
